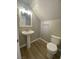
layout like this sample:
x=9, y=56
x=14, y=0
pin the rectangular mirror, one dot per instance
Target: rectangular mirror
x=25, y=18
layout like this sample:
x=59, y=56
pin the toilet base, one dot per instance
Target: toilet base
x=50, y=56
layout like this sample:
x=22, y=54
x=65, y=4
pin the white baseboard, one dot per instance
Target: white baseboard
x=31, y=42
x=44, y=40
x=22, y=45
x=35, y=41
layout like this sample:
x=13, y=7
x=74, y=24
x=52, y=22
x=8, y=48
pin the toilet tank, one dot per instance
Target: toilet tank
x=55, y=39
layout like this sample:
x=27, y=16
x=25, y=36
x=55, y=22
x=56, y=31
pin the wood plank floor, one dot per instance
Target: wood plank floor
x=38, y=50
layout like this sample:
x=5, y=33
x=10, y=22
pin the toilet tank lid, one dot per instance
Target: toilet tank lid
x=54, y=36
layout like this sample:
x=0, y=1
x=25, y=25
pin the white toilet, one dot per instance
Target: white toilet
x=52, y=46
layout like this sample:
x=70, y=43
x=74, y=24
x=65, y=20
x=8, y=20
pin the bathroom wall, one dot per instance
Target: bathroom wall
x=50, y=27
x=49, y=12
x=35, y=27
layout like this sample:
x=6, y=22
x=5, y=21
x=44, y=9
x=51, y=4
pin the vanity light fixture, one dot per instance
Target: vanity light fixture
x=25, y=11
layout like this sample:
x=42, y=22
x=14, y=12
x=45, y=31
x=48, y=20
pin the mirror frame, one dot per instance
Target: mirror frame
x=20, y=17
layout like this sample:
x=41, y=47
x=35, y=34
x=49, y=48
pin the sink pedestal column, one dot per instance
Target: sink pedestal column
x=28, y=33
x=28, y=41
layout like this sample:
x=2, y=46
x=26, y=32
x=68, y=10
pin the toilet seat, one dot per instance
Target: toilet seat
x=52, y=47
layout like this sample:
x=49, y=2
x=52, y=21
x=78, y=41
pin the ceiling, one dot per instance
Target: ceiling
x=44, y=9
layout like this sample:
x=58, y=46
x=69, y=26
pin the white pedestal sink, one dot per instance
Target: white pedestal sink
x=28, y=33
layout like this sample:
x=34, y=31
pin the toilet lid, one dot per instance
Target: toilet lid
x=52, y=47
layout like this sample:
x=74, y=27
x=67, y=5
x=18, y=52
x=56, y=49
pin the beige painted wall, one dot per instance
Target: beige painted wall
x=47, y=9
x=50, y=27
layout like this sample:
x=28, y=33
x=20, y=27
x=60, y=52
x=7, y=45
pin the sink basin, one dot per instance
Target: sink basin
x=27, y=32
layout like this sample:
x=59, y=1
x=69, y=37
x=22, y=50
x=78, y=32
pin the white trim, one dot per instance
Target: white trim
x=44, y=40
x=22, y=45
x=31, y=42
x=35, y=40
